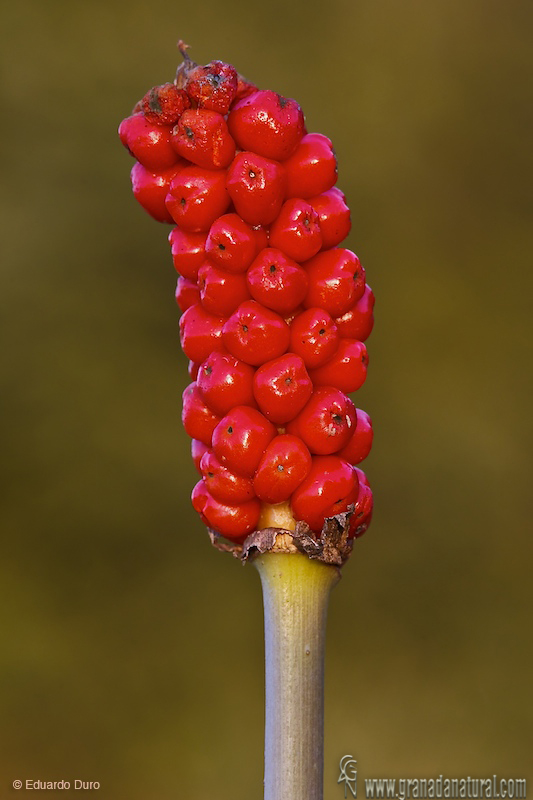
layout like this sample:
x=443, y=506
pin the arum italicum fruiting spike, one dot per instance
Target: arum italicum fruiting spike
x=275, y=312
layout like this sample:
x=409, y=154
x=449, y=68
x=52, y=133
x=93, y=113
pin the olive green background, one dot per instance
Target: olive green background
x=131, y=650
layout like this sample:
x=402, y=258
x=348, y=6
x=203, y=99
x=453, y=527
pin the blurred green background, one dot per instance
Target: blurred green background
x=131, y=650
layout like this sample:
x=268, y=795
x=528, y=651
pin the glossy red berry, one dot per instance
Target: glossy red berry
x=203, y=138
x=148, y=143
x=213, y=86
x=276, y=281
x=314, y=337
x=359, y=445
x=257, y=187
x=333, y=217
x=346, y=369
x=329, y=488
x=232, y=243
x=150, y=189
x=336, y=281
x=284, y=466
x=188, y=251
x=221, y=292
x=255, y=334
x=234, y=522
x=163, y=105
x=198, y=448
x=200, y=333
x=364, y=506
x=282, y=388
x=240, y=439
x=358, y=321
x=225, y=382
x=268, y=124
x=312, y=168
x=196, y=197
x=224, y=485
x=326, y=423
x=198, y=419
x=296, y=230
x=187, y=293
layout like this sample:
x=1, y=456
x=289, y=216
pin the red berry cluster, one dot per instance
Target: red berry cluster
x=275, y=312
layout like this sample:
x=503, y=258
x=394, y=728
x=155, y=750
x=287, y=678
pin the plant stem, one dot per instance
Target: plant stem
x=295, y=595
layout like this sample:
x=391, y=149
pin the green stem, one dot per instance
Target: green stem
x=295, y=595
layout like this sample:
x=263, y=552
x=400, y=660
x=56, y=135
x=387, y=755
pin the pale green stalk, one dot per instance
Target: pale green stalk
x=295, y=593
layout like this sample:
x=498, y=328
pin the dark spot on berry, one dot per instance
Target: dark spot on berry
x=307, y=222
x=189, y=132
x=282, y=101
x=337, y=418
x=251, y=173
x=272, y=268
x=322, y=331
x=288, y=381
x=230, y=429
x=215, y=79
x=208, y=370
x=356, y=275
x=221, y=246
x=210, y=474
x=245, y=328
x=153, y=101
x=280, y=468
x=183, y=201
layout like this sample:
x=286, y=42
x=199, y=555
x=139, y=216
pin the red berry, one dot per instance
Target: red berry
x=268, y=124
x=234, y=522
x=188, y=251
x=261, y=237
x=329, y=488
x=257, y=187
x=200, y=333
x=364, y=505
x=276, y=281
x=327, y=421
x=314, y=337
x=231, y=243
x=197, y=197
x=226, y=382
x=296, y=230
x=255, y=334
x=346, y=370
x=150, y=189
x=163, y=105
x=224, y=485
x=198, y=448
x=193, y=369
x=284, y=465
x=359, y=445
x=240, y=439
x=333, y=216
x=358, y=321
x=282, y=387
x=244, y=88
x=148, y=143
x=198, y=419
x=312, y=168
x=336, y=281
x=221, y=292
x=213, y=86
x=187, y=294
x=202, y=137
